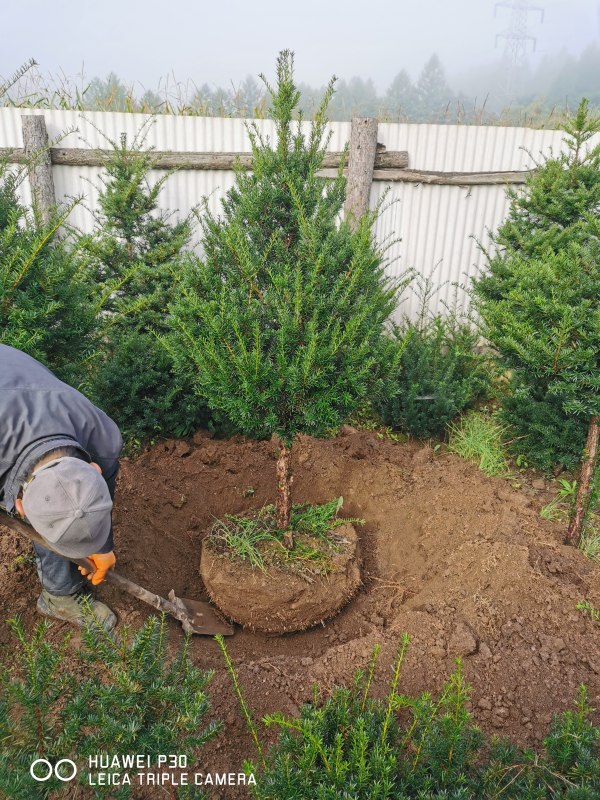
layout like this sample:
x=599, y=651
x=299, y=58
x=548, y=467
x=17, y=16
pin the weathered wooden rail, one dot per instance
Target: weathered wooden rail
x=365, y=161
x=163, y=159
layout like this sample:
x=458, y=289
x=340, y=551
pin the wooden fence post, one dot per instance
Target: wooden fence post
x=37, y=151
x=361, y=162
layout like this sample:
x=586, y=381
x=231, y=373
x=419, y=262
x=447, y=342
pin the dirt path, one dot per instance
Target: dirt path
x=460, y=561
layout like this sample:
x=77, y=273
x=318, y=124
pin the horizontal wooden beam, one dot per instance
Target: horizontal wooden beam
x=451, y=178
x=390, y=165
x=442, y=178
x=86, y=157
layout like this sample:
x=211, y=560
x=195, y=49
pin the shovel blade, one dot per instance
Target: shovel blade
x=196, y=616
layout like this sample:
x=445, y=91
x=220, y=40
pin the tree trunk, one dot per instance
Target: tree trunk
x=585, y=482
x=284, y=492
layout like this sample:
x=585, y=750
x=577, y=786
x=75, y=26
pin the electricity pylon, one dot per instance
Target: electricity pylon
x=516, y=37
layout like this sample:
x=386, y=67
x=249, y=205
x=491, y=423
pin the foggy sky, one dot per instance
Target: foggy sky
x=222, y=41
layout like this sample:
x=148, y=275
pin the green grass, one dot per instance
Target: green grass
x=557, y=509
x=242, y=536
x=562, y=506
x=589, y=544
x=590, y=540
x=589, y=609
x=255, y=538
x=25, y=559
x=479, y=438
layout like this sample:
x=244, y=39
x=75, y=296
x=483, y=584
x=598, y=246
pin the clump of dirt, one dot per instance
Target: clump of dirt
x=277, y=600
x=461, y=562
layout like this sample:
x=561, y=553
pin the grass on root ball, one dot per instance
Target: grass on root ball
x=255, y=538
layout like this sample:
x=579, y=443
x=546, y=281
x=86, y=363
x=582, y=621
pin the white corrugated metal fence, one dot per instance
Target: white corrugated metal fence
x=438, y=225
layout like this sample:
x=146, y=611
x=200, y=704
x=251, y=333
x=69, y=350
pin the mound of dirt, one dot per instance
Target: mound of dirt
x=278, y=601
x=461, y=562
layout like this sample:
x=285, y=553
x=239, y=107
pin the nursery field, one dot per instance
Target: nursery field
x=460, y=561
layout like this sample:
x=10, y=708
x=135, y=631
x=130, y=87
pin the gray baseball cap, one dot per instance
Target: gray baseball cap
x=68, y=503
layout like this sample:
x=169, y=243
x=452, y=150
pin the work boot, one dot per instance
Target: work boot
x=68, y=607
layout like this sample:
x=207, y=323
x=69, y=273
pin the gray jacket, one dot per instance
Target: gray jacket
x=38, y=412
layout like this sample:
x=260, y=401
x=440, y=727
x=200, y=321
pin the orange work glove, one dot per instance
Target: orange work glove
x=103, y=562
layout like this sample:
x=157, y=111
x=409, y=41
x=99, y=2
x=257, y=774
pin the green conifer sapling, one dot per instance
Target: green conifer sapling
x=135, y=254
x=539, y=299
x=46, y=295
x=280, y=323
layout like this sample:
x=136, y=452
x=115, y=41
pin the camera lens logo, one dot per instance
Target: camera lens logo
x=42, y=770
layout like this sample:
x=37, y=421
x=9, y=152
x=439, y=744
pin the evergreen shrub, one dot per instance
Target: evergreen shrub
x=135, y=254
x=125, y=695
x=542, y=431
x=279, y=325
x=439, y=375
x=538, y=300
x=46, y=296
x=416, y=748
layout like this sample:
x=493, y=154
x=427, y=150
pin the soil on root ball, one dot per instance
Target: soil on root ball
x=275, y=600
x=460, y=561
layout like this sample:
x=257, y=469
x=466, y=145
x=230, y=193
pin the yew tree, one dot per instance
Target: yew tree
x=280, y=324
x=134, y=255
x=47, y=298
x=539, y=301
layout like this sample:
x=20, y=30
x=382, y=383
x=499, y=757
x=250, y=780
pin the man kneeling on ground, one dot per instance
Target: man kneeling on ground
x=59, y=458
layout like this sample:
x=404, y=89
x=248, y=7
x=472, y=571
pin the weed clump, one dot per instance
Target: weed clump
x=480, y=438
x=587, y=608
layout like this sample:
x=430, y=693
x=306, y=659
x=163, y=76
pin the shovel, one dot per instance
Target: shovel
x=195, y=616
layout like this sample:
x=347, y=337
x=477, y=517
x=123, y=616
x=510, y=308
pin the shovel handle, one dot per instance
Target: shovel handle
x=134, y=589
x=154, y=600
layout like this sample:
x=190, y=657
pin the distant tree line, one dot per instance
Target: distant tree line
x=491, y=94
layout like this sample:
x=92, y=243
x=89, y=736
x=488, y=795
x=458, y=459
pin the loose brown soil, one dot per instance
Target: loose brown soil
x=460, y=561
x=278, y=601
